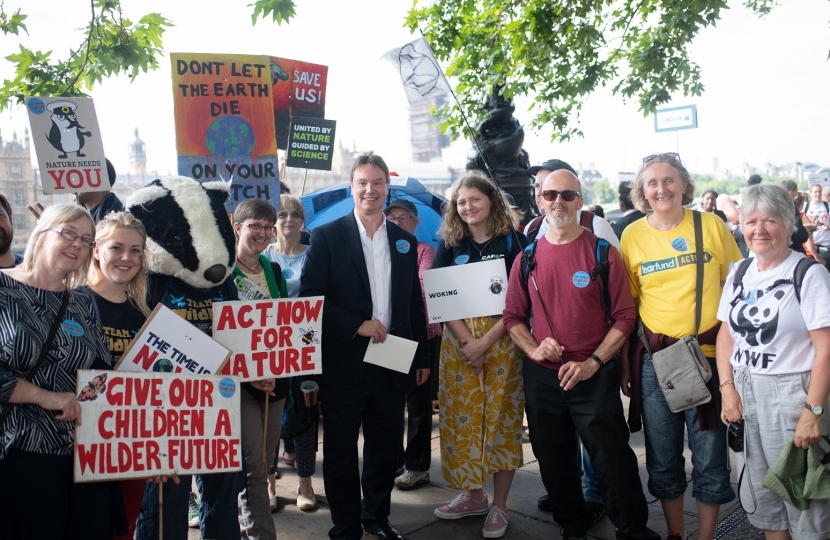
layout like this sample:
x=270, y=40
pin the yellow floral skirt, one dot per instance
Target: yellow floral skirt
x=481, y=417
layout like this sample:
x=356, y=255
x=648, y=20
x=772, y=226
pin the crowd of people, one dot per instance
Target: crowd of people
x=592, y=309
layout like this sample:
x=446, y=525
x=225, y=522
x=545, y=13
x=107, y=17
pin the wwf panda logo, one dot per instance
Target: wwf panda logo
x=757, y=321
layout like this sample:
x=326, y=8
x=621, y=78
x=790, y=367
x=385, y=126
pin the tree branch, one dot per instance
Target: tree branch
x=92, y=24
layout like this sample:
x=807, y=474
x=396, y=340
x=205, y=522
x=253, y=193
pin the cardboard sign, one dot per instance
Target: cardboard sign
x=299, y=89
x=68, y=144
x=465, y=290
x=271, y=338
x=311, y=143
x=137, y=425
x=225, y=123
x=169, y=344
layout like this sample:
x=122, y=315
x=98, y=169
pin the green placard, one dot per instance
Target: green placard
x=311, y=143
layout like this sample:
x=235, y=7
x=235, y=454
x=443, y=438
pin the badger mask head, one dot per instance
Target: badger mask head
x=189, y=235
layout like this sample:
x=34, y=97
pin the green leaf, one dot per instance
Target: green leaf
x=279, y=10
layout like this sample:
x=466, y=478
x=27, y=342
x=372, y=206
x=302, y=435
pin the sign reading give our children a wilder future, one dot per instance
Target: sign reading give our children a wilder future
x=310, y=143
x=225, y=123
x=270, y=338
x=68, y=144
x=138, y=425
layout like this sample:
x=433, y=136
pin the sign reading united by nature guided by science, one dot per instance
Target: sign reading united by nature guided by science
x=224, y=115
x=270, y=338
x=311, y=143
x=138, y=424
x=68, y=144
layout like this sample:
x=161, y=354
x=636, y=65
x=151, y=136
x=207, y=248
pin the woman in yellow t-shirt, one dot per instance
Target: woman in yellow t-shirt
x=659, y=254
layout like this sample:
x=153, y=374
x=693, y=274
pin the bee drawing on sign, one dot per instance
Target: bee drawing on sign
x=97, y=386
x=309, y=336
x=496, y=285
x=66, y=135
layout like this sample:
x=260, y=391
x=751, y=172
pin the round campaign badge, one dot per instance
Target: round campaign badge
x=680, y=244
x=36, y=106
x=752, y=297
x=72, y=328
x=402, y=245
x=227, y=387
x=581, y=279
x=462, y=259
x=288, y=273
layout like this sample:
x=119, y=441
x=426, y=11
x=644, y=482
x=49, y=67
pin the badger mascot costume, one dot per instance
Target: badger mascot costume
x=191, y=257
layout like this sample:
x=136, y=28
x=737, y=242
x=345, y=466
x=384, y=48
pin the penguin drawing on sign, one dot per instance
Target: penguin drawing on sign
x=66, y=135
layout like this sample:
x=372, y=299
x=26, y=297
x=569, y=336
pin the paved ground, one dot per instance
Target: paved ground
x=412, y=511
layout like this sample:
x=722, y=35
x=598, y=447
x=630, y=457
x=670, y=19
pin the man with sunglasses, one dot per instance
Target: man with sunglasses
x=571, y=374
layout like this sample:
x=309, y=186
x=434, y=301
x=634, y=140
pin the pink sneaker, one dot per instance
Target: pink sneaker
x=496, y=523
x=463, y=506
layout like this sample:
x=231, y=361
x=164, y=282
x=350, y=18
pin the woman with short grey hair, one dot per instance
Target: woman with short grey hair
x=773, y=356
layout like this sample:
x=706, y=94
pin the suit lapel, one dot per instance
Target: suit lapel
x=351, y=236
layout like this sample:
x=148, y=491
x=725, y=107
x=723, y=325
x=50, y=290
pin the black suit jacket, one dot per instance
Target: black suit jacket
x=335, y=268
x=620, y=225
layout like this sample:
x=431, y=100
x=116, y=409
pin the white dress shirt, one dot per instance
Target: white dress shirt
x=379, y=267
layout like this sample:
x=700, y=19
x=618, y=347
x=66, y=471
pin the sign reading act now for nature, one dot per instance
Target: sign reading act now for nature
x=137, y=425
x=270, y=338
x=310, y=143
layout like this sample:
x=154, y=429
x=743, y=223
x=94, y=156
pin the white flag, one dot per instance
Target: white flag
x=421, y=75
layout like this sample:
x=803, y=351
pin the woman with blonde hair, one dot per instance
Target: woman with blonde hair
x=47, y=334
x=480, y=393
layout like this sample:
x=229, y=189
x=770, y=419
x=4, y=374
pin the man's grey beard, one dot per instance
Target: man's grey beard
x=561, y=222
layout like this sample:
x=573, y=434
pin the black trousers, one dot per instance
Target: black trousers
x=375, y=405
x=418, y=453
x=593, y=410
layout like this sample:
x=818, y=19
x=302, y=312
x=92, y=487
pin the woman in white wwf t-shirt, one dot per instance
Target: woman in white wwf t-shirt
x=773, y=355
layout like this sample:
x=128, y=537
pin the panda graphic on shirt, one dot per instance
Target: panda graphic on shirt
x=757, y=317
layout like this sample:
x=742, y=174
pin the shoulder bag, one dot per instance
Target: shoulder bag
x=682, y=370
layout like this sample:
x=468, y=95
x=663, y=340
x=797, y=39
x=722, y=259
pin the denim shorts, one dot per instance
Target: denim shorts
x=664, y=433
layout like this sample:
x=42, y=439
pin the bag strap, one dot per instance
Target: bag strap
x=601, y=271
x=699, y=267
x=586, y=219
x=46, y=345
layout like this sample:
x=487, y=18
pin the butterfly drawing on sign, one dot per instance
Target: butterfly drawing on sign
x=94, y=388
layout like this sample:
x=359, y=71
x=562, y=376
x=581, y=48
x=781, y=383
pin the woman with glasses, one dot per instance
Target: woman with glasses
x=659, y=254
x=255, y=279
x=39, y=412
x=299, y=438
x=480, y=388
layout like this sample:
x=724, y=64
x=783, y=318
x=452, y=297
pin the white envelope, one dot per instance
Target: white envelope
x=395, y=353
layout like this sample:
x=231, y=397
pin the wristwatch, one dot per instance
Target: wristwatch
x=815, y=409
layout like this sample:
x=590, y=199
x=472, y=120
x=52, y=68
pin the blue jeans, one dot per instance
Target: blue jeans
x=218, y=514
x=590, y=484
x=664, y=447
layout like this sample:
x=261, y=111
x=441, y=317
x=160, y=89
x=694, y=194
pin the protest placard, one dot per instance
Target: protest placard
x=68, y=144
x=225, y=123
x=465, y=290
x=311, y=143
x=168, y=343
x=271, y=338
x=299, y=89
x=137, y=425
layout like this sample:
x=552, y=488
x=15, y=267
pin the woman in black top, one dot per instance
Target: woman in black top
x=37, y=438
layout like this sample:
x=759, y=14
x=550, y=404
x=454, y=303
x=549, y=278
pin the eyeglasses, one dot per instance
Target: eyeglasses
x=256, y=229
x=568, y=195
x=400, y=219
x=294, y=215
x=70, y=235
x=666, y=156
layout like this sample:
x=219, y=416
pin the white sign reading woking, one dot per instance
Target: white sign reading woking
x=675, y=118
x=465, y=290
x=168, y=343
x=138, y=425
x=70, y=151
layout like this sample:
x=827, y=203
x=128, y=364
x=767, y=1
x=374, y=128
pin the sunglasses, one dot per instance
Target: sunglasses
x=666, y=156
x=568, y=195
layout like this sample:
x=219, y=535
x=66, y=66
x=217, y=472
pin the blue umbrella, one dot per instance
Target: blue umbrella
x=332, y=202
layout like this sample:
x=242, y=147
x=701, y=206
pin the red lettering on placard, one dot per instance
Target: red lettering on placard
x=226, y=320
x=74, y=172
x=263, y=311
x=285, y=336
x=223, y=423
x=57, y=178
x=114, y=395
x=307, y=363
x=102, y=429
x=244, y=321
x=145, y=357
x=259, y=358
x=240, y=366
x=86, y=456
x=313, y=312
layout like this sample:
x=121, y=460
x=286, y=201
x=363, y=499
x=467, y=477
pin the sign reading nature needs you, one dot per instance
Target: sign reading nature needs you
x=68, y=144
x=224, y=114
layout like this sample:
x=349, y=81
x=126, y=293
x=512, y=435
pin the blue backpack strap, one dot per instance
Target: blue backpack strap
x=528, y=262
x=602, y=271
x=509, y=243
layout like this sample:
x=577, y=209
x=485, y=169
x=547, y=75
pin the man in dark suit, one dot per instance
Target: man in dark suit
x=630, y=213
x=367, y=269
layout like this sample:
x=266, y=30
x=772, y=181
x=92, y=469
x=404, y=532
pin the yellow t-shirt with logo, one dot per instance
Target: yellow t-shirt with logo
x=662, y=273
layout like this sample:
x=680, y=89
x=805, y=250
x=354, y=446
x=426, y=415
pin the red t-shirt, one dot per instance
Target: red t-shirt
x=572, y=298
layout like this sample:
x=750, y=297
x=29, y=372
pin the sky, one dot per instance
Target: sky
x=766, y=98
